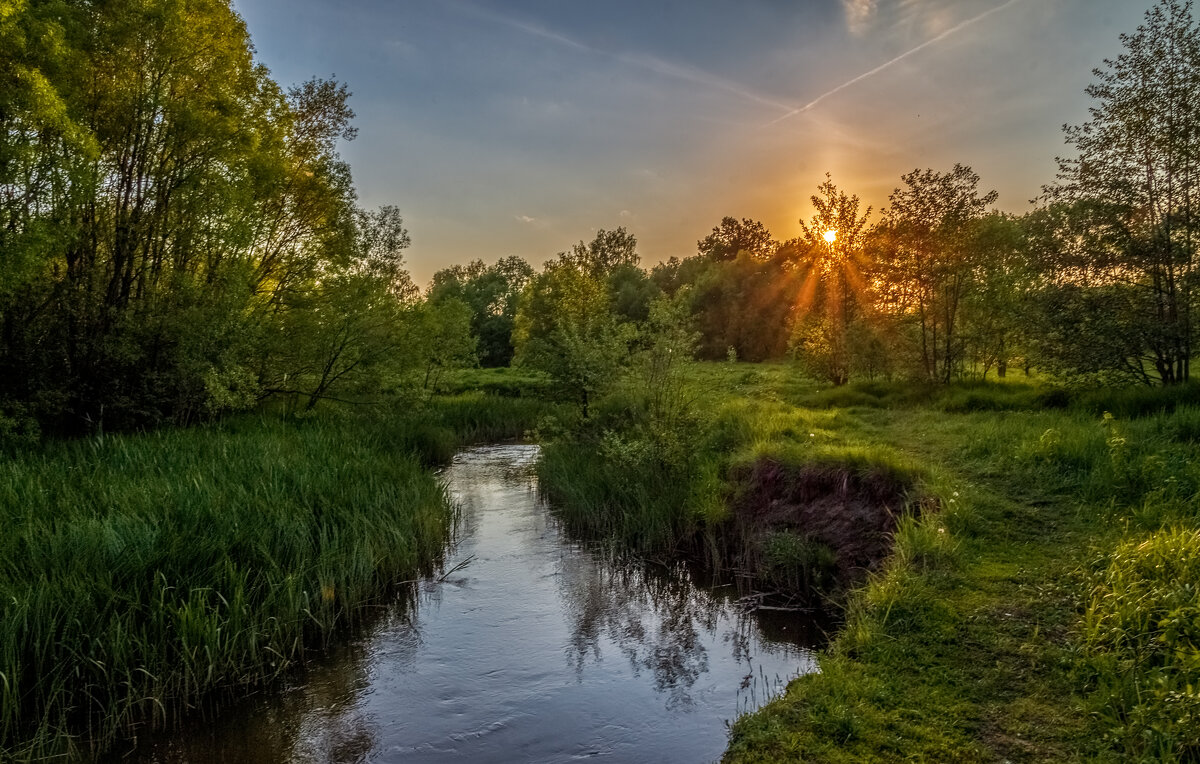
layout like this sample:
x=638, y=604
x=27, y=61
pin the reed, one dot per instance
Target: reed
x=145, y=574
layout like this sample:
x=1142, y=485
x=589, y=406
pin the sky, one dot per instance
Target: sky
x=519, y=127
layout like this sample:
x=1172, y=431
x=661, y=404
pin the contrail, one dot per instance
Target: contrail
x=952, y=30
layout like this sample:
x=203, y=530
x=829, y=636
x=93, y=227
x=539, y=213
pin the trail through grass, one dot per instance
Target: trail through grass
x=1024, y=647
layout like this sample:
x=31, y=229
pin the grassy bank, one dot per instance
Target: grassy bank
x=1058, y=631
x=142, y=575
x=1043, y=607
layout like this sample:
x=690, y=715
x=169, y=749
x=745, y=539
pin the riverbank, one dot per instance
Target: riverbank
x=528, y=646
x=147, y=574
x=1043, y=610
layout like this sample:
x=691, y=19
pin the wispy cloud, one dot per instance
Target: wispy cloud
x=525, y=219
x=647, y=63
x=888, y=64
x=859, y=14
x=699, y=77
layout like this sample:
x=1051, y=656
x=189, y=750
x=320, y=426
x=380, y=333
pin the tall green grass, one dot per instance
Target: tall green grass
x=1143, y=629
x=145, y=574
x=649, y=496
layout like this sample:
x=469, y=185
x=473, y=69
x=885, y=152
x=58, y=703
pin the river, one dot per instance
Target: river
x=531, y=647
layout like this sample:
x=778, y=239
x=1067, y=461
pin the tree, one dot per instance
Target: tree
x=176, y=230
x=997, y=306
x=668, y=342
x=830, y=255
x=359, y=323
x=604, y=253
x=925, y=250
x=1135, y=170
x=565, y=329
x=442, y=336
x=731, y=237
x=492, y=293
x=745, y=304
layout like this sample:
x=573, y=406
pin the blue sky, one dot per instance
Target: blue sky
x=520, y=127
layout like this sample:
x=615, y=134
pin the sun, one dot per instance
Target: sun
x=831, y=236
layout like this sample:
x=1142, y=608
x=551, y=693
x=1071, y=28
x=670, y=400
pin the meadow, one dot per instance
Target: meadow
x=144, y=575
x=1037, y=599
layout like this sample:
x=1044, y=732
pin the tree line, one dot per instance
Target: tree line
x=178, y=234
x=179, y=237
x=1096, y=284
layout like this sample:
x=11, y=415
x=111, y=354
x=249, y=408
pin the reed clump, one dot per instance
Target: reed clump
x=145, y=574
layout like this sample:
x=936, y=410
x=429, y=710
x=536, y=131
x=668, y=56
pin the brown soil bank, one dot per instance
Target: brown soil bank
x=850, y=509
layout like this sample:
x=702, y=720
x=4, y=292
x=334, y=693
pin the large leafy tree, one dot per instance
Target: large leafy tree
x=568, y=325
x=926, y=252
x=1134, y=173
x=174, y=227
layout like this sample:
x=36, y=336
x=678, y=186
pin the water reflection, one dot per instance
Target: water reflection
x=530, y=648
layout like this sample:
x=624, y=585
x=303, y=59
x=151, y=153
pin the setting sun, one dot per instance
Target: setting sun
x=831, y=236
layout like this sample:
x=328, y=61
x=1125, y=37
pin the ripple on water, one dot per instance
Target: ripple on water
x=535, y=649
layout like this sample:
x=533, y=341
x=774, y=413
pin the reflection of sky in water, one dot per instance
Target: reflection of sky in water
x=535, y=649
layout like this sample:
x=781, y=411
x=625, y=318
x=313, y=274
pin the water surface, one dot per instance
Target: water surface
x=531, y=648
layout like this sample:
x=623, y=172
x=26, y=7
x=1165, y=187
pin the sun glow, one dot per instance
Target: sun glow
x=831, y=236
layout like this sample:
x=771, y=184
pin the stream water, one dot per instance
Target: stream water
x=533, y=648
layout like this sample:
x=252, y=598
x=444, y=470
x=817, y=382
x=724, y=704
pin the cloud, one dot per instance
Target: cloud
x=859, y=14
x=699, y=77
x=525, y=219
x=644, y=62
x=888, y=64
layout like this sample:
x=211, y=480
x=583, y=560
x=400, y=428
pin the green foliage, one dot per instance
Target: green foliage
x=441, y=339
x=1124, y=242
x=796, y=563
x=835, y=295
x=492, y=293
x=733, y=237
x=608, y=252
x=179, y=234
x=566, y=327
x=744, y=303
x=1143, y=629
x=144, y=573
x=508, y=382
x=930, y=250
